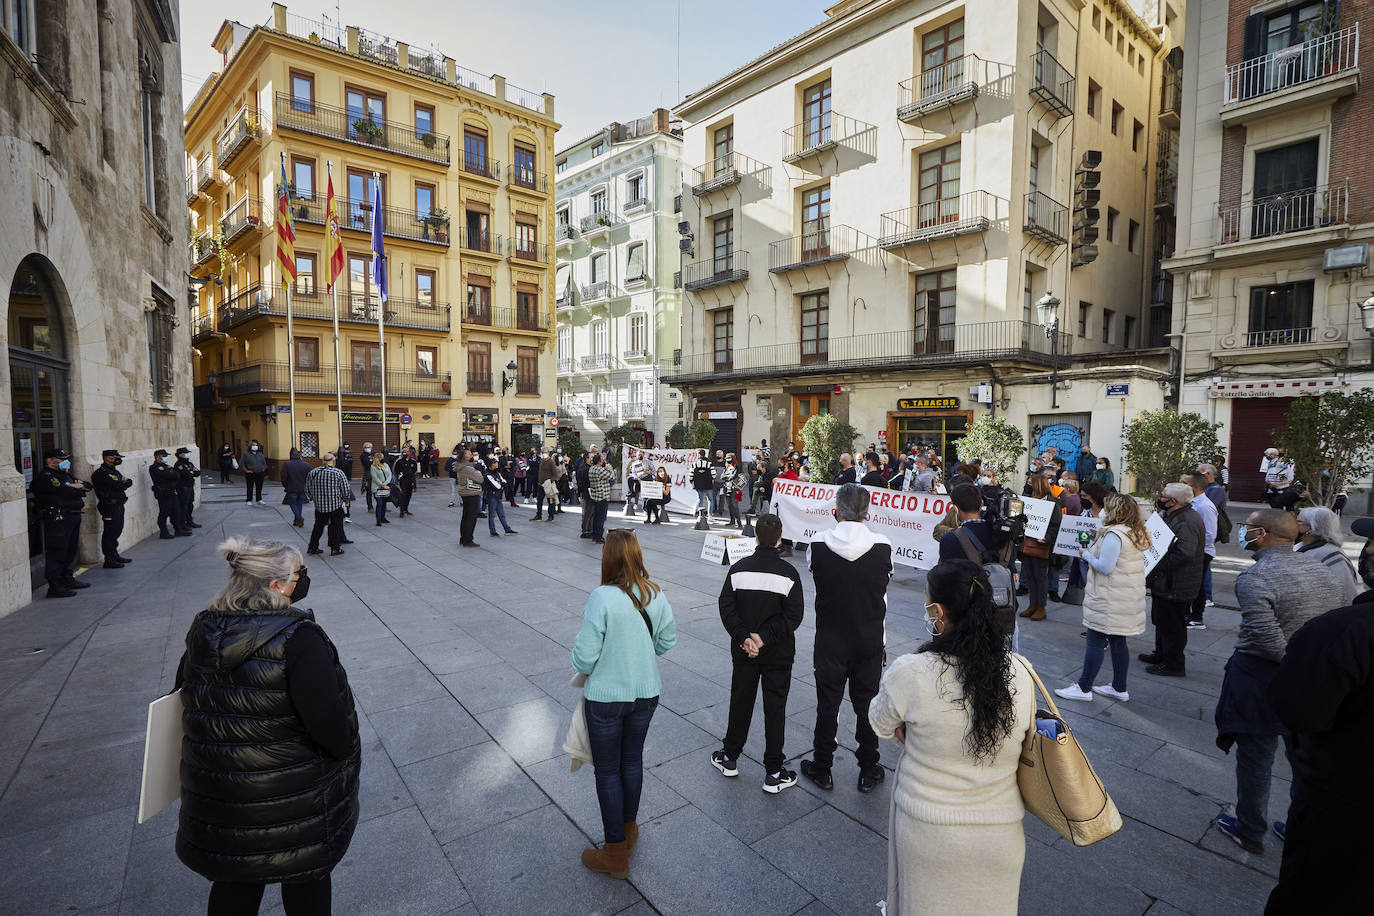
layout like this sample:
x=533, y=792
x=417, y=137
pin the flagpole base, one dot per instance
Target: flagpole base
x=702, y=524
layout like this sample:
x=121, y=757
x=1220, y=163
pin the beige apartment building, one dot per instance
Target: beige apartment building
x=1273, y=298
x=887, y=211
x=465, y=340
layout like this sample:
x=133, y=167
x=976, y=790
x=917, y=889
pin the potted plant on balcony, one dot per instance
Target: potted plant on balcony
x=428, y=140
x=368, y=130
x=437, y=219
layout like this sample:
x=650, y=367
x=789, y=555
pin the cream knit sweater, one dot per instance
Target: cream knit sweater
x=937, y=781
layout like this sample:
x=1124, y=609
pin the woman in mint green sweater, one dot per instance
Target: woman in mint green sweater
x=626, y=623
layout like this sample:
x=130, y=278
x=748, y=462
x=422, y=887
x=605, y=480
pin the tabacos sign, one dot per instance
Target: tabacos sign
x=928, y=404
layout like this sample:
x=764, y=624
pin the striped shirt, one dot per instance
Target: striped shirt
x=328, y=489
x=599, y=479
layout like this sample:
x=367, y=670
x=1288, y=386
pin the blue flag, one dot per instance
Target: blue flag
x=378, y=248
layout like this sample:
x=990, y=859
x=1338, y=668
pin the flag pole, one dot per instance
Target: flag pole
x=290, y=341
x=380, y=270
x=334, y=302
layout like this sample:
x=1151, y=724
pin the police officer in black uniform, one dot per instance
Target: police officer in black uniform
x=166, y=481
x=60, y=498
x=110, y=497
x=186, y=487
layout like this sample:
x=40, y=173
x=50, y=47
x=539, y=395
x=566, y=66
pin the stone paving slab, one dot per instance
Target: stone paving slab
x=460, y=666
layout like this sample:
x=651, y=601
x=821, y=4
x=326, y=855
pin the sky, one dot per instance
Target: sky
x=603, y=60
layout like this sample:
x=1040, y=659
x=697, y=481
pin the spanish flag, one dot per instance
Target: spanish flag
x=333, y=244
x=286, y=234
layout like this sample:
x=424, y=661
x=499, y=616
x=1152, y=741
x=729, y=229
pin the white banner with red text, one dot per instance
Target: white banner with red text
x=904, y=518
x=678, y=463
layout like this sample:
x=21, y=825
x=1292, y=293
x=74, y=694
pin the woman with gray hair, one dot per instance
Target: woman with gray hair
x=1319, y=536
x=270, y=758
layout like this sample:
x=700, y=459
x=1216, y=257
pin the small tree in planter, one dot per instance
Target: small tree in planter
x=618, y=436
x=428, y=140
x=369, y=130
x=701, y=434
x=1161, y=445
x=526, y=441
x=1331, y=442
x=571, y=445
x=677, y=436
x=438, y=221
x=825, y=438
x=996, y=441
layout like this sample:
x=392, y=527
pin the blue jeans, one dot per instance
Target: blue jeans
x=297, y=503
x=496, y=509
x=381, y=502
x=1093, y=652
x=616, y=732
x=599, y=507
x=1254, y=770
x=705, y=500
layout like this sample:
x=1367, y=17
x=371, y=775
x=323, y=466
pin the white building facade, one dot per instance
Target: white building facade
x=619, y=310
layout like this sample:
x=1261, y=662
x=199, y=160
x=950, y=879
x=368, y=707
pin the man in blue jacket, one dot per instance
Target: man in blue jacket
x=1086, y=465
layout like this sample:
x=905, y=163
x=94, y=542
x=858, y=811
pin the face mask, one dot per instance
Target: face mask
x=1102, y=467
x=931, y=626
x=1162, y=505
x=984, y=481
x=1243, y=538
x=1297, y=546
x=1367, y=568
x=253, y=448
x=64, y=464
x=302, y=586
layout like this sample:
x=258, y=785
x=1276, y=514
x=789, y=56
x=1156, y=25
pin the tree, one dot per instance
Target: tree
x=677, y=436
x=617, y=436
x=825, y=439
x=1161, y=445
x=570, y=443
x=701, y=434
x=526, y=441
x=996, y=441
x=1331, y=442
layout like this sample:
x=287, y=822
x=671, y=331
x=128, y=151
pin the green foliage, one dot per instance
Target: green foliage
x=1331, y=442
x=701, y=434
x=1161, y=445
x=677, y=436
x=825, y=439
x=996, y=441
x=617, y=436
x=570, y=444
x=525, y=441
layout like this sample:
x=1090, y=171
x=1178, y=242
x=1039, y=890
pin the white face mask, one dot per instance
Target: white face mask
x=1102, y=467
x=253, y=448
x=930, y=623
x=984, y=481
x=1101, y=515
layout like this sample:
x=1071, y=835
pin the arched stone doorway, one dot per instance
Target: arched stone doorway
x=39, y=373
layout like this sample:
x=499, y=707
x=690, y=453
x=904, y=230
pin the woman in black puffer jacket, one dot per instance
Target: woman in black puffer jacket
x=270, y=761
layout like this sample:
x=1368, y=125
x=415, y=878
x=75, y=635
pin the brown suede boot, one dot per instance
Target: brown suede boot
x=612, y=858
x=631, y=836
x=1030, y=609
x=1039, y=613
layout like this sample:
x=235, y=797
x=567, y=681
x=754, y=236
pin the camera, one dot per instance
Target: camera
x=1005, y=511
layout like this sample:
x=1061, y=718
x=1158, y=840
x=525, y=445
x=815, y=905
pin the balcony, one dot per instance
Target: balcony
x=718, y=271
x=938, y=88
x=1303, y=210
x=319, y=120
x=207, y=175
x=725, y=171
x=567, y=299
x=481, y=167
x=242, y=224
x=1051, y=84
x=356, y=215
x=378, y=48
x=191, y=192
x=203, y=250
x=479, y=382
x=598, y=223
x=1299, y=342
x=202, y=327
x=565, y=232
x=242, y=134
x=825, y=132
x=535, y=254
x=596, y=292
x=635, y=205
x=523, y=179
x=207, y=397
x=635, y=356
x=565, y=367
x=602, y=413
x=472, y=240
x=912, y=348
x=817, y=246
x=597, y=362
x=270, y=378
x=1321, y=68
x=354, y=308
x=635, y=410
x=966, y=214
x=242, y=308
x=1282, y=337
x=518, y=319
x=1046, y=219
x=1166, y=186
x=1171, y=98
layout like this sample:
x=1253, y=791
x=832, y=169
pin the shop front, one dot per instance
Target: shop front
x=479, y=424
x=363, y=426
x=526, y=429
x=928, y=423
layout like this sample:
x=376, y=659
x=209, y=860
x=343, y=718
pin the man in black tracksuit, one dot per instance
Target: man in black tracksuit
x=851, y=566
x=110, y=496
x=761, y=606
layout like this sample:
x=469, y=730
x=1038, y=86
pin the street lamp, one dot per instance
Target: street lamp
x=1048, y=307
x=508, y=380
x=1367, y=316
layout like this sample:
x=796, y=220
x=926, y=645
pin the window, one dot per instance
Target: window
x=424, y=120
x=1033, y=173
x=1284, y=198
x=527, y=241
x=600, y=268
x=1027, y=295
x=1287, y=307
x=1137, y=135
x=426, y=362
x=364, y=105
x=598, y=148
x=1097, y=19
x=479, y=300
x=934, y=317
x=816, y=114
x=722, y=148
x=1108, y=32
x=1132, y=235
x=303, y=178
x=599, y=201
x=310, y=445
x=527, y=309
x=161, y=369
x=564, y=342
x=1116, y=117
x=562, y=216
x=425, y=281
x=1121, y=42
x=307, y=354
x=1108, y=321
x=522, y=166
x=479, y=366
x=1128, y=339
x=938, y=181
x=1140, y=65
x=424, y=202
x=1083, y=309
x=634, y=188
x=477, y=231
x=305, y=275
x=475, y=151
x=723, y=322
x=723, y=242
x=1094, y=98
x=526, y=370
x=148, y=112
x=635, y=394
x=639, y=332
x=302, y=91
x=560, y=167
x=1292, y=26
x=601, y=340
x=815, y=327
x=815, y=240
x=942, y=58
x=1112, y=216
x=634, y=262
x=360, y=194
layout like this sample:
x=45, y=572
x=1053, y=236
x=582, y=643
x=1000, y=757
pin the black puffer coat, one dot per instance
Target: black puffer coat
x=260, y=800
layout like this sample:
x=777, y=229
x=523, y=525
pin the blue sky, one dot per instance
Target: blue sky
x=604, y=60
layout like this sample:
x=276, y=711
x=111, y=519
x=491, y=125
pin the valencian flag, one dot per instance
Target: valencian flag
x=286, y=234
x=333, y=245
x=378, y=248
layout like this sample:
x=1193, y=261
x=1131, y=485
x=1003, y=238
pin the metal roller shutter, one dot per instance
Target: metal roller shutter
x=1253, y=422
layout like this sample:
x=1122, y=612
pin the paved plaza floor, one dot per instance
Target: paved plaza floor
x=459, y=660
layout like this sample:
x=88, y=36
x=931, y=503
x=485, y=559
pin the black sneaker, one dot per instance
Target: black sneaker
x=774, y=783
x=870, y=777
x=72, y=583
x=1165, y=671
x=727, y=765
x=1196, y=625
x=60, y=591
x=821, y=777
x=1149, y=658
x=313, y=550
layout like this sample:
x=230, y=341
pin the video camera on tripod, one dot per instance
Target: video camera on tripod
x=1005, y=511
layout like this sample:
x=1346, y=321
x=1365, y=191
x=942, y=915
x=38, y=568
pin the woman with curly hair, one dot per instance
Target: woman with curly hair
x=961, y=707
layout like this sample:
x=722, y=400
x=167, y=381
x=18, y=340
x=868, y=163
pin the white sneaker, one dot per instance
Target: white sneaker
x=248, y=502
x=1107, y=690
x=1074, y=692
x=259, y=502
x=1209, y=603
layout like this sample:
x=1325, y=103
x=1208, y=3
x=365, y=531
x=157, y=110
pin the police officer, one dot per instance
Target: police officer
x=187, y=473
x=110, y=497
x=60, y=498
x=166, y=480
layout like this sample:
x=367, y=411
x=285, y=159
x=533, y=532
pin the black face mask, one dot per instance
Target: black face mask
x=302, y=586
x=1367, y=568
x=117, y=462
x=1162, y=505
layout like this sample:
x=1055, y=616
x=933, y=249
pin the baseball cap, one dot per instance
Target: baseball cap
x=111, y=453
x=183, y=451
x=1363, y=527
x=162, y=452
x=55, y=453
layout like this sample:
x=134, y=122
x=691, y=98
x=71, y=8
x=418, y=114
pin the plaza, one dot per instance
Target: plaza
x=460, y=669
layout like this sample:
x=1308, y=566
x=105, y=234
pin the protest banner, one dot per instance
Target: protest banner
x=650, y=489
x=904, y=518
x=1160, y=538
x=678, y=462
x=1038, y=516
x=713, y=549
x=1075, y=531
x=737, y=548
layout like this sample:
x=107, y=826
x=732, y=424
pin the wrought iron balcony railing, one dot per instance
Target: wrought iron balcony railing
x=206, y=173
x=1051, y=83
x=481, y=166
x=1332, y=54
x=320, y=120
x=716, y=271
x=243, y=129
x=823, y=132
x=479, y=381
x=1046, y=218
x=1279, y=337
x=246, y=214
x=565, y=367
x=966, y=214
x=1171, y=96
x=595, y=292
x=356, y=215
x=202, y=327
x=1301, y=210
x=474, y=240
x=635, y=204
x=566, y=232
x=596, y=362
x=939, y=87
x=724, y=171
x=528, y=179
x=599, y=221
x=537, y=254
x=270, y=377
x=203, y=249
x=814, y=246
x=354, y=308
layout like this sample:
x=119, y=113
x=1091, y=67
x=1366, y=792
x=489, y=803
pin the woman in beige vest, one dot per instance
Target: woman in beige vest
x=1114, y=598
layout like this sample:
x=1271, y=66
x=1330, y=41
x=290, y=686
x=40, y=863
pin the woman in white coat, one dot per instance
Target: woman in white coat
x=1113, y=599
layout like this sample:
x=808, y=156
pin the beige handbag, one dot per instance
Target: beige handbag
x=1058, y=784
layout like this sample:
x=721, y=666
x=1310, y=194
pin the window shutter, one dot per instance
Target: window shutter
x=564, y=277
x=634, y=270
x=1254, y=36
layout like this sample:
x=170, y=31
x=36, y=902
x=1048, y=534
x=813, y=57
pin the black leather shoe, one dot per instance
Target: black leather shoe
x=194, y=525
x=72, y=583
x=869, y=779
x=345, y=541
x=1149, y=658
x=183, y=533
x=60, y=591
x=335, y=551
x=166, y=536
x=112, y=564
x=1166, y=671
x=814, y=773
x=125, y=560
x=313, y=550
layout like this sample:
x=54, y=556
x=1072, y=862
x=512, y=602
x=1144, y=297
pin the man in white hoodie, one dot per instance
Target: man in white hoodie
x=851, y=566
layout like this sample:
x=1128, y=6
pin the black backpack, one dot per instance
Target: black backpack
x=998, y=570
x=702, y=478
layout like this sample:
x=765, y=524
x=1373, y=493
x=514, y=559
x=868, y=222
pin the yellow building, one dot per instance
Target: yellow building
x=463, y=161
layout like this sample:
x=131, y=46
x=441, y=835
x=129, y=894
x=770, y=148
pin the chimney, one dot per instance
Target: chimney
x=661, y=120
